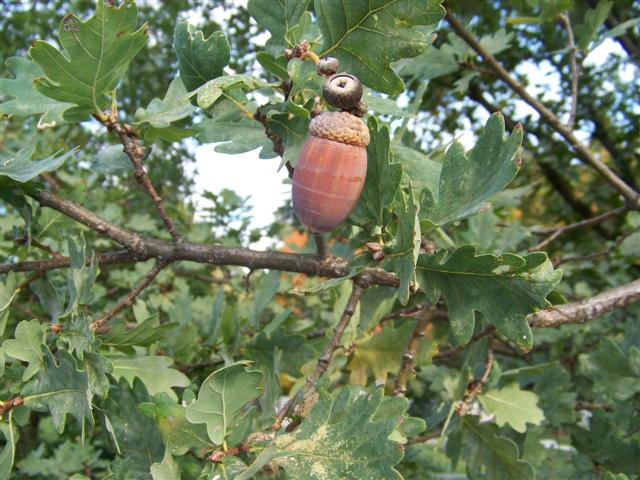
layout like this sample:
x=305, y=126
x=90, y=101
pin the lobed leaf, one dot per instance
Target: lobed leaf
x=368, y=36
x=20, y=168
x=95, y=54
x=26, y=99
x=199, y=59
x=221, y=398
x=512, y=406
x=504, y=289
x=467, y=181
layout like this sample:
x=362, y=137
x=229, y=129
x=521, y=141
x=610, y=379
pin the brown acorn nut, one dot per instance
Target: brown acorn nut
x=342, y=91
x=331, y=170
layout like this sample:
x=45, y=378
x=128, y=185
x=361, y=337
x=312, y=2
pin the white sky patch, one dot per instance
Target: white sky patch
x=247, y=175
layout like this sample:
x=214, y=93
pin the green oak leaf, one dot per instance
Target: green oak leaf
x=606, y=445
x=168, y=469
x=199, y=59
x=174, y=427
x=613, y=373
x=62, y=389
x=212, y=91
x=367, y=36
x=239, y=133
x=221, y=398
x=264, y=289
x=97, y=367
x=67, y=457
x=557, y=395
x=491, y=456
x=344, y=436
x=153, y=370
x=20, y=168
x=78, y=334
x=504, y=289
x=261, y=348
x=26, y=99
x=96, y=54
x=594, y=18
x=292, y=130
x=27, y=346
x=395, y=408
x=136, y=434
x=418, y=167
x=512, y=406
x=278, y=18
x=8, y=290
x=382, y=181
x=382, y=353
x=144, y=334
x=173, y=107
x=407, y=248
x=469, y=180
x=7, y=456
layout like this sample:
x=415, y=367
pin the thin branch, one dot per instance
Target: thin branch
x=135, y=154
x=546, y=115
x=555, y=178
x=410, y=350
x=406, y=312
x=575, y=73
x=6, y=405
x=128, y=299
x=147, y=247
x=584, y=310
x=487, y=331
x=475, y=387
x=555, y=232
x=322, y=365
x=190, y=367
x=105, y=258
x=321, y=246
x=598, y=254
x=35, y=243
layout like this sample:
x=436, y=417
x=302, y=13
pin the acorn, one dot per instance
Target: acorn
x=331, y=170
x=327, y=66
x=343, y=91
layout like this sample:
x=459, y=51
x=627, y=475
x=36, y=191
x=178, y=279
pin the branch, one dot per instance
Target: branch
x=557, y=181
x=575, y=74
x=128, y=299
x=35, y=243
x=580, y=312
x=135, y=154
x=600, y=253
x=325, y=359
x=475, y=387
x=489, y=330
x=557, y=231
x=141, y=247
x=546, y=115
x=106, y=258
x=410, y=350
x=6, y=405
x=321, y=246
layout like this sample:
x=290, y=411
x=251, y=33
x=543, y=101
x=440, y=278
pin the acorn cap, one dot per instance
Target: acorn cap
x=340, y=127
x=343, y=91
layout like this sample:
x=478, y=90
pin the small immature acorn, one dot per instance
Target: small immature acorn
x=331, y=170
x=342, y=91
x=328, y=66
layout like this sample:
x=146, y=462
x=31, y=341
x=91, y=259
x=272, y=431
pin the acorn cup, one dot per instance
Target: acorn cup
x=331, y=170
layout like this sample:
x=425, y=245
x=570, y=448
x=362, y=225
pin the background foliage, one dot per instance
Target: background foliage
x=143, y=339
